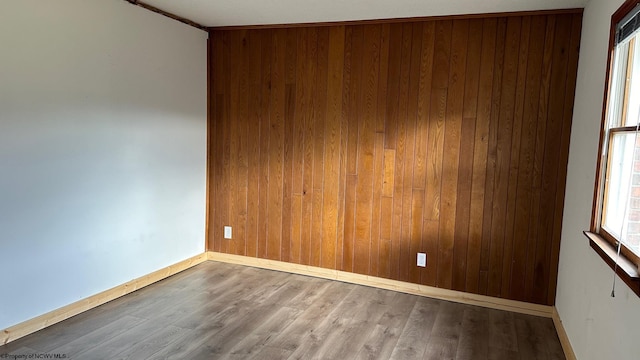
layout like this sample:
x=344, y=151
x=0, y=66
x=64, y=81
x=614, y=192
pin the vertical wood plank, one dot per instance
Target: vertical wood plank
x=483, y=118
x=417, y=227
x=416, y=199
x=435, y=151
x=276, y=144
x=289, y=119
x=366, y=139
x=242, y=151
x=424, y=106
x=377, y=254
x=451, y=155
x=487, y=235
x=527, y=152
x=393, y=85
x=378, y=175
x=431, y=228
x=344, y=136
x=303, y=95
x=385, y=264
x=467, y=144
x=383, y=78
x=226, y=154
x=332, y=147
x=516, y=141
x=354, y=74
x=538, y=158
x=391, y=131
x=308, y=143
x=399, y=120
x=253, y=204
x=357, y=40
x=435, y=142
x=349, y=223
x=503, y=156
x=265, y=106
x=405, y=145
x=551, y=158
x=388, y=156
x=318, y=146
x=388, y=172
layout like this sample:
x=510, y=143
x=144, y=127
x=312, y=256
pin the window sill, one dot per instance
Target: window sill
x=626, y=270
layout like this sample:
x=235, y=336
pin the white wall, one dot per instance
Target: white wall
x=102, y=149
x=599, y=326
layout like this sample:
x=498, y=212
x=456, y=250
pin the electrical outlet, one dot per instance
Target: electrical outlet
x=227, y=232
x=422, y=259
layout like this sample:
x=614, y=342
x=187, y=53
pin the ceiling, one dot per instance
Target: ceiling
x=257, y=12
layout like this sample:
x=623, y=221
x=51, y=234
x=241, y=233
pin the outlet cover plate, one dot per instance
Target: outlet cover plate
x=422, y=259
x=227, y=232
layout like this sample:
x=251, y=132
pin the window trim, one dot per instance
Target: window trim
x=627, y=265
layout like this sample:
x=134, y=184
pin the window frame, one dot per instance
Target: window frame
x=626, y=265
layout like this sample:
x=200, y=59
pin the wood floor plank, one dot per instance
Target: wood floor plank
x=502, y=332
x=502, y=354
x=53, y=337
x=98, y=336
x=313, y=341
x=448, y=323
x=441, y=348
x=159, y=339
x=129, y=339
x=397, y=315
x=210, y=326
x=224, y=311
x=417, y=331
x=269, y=352
x=311, y=293
x=221, y=342
x=532, y=338
x=308, y=322
x=474, y=338
x=380, y=343
x=529, y=344
x=251, y=344
x=319, y=333
x=357, y=331
x=445, y=332
x=373, y=305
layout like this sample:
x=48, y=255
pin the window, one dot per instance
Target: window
x=615, y=230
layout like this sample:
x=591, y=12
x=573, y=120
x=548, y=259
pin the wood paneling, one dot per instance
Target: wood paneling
x=353, y=147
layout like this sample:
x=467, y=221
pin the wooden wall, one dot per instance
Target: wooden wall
x=354, y=147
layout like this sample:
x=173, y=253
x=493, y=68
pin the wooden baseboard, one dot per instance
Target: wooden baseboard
x=405, y=287
x=30, y=326
x=562, y=334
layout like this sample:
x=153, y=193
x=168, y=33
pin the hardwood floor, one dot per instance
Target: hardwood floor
x=223, y=311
